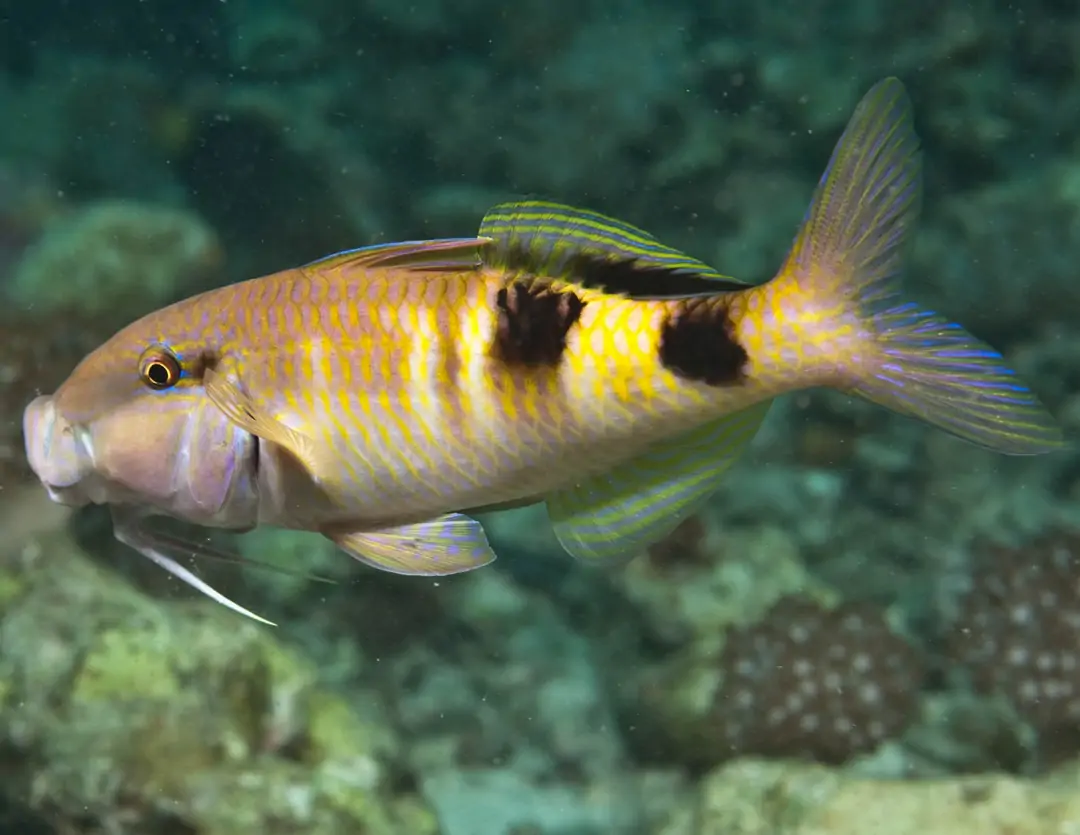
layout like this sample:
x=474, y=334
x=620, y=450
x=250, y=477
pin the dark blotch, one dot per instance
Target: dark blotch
x=533, y=323
x=629, y=277
x=643, y=281
x=698, y=343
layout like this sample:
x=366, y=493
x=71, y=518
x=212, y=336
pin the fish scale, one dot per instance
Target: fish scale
x=382, y=431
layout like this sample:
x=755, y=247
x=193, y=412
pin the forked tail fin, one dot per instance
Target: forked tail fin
x=848, y=256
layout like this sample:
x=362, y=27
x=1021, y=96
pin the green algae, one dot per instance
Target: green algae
x=141, y=715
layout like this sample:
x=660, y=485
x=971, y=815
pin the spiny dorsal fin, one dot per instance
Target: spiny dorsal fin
x=595, y=251
x=434, y=255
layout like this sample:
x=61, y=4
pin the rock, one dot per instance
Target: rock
x=116, y=254
x=143, y=716
x=499, y=802
x=751, y=797
x=520, y=689
x=694, y=590
x=707, y=578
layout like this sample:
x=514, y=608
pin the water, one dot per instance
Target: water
x=873, y=628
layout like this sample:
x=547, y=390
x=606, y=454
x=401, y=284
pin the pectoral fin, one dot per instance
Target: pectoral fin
x=621, y=512
x=224, y=390
x=449, y=544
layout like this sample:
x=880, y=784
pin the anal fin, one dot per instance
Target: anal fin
x=449, y=544
x=619, y=513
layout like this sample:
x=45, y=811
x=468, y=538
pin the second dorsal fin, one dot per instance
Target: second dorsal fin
x=593, y=250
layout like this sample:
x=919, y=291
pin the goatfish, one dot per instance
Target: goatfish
x=383, y=396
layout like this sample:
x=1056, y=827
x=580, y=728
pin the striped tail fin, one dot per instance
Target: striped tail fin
x=848, y=256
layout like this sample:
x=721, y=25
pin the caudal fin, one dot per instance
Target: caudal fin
x=848, y=256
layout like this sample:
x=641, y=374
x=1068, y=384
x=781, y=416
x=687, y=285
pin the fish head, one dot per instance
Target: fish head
x=132, y=425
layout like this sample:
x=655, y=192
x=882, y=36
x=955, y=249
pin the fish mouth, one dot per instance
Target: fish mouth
x=59, y=453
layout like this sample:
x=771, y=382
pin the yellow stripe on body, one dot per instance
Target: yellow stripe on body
x=613, y=375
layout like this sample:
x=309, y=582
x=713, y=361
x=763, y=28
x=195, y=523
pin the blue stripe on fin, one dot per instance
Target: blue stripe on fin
x=848, y=258
x=449, y=544
x=620, y=513
x=552, y=239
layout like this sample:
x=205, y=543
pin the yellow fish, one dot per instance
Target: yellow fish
x=380, y=395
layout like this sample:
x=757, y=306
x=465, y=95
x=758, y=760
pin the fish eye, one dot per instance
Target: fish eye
x=159, y=369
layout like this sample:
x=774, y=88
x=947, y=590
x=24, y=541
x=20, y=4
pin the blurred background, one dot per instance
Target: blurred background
x=874, y=628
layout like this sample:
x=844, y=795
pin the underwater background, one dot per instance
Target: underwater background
x=875, y=628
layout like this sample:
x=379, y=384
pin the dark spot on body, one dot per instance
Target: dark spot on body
x=638, y=280
x=698, y=342
x=630, y=277
x=203, y=362
x=533, y=323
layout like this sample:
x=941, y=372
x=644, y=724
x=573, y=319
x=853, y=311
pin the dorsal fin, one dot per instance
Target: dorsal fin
x=595, y=251
x=434, y=255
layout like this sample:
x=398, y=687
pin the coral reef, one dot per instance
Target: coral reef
x=760, y=798
x=514, y=689
x=807, y=680
x=28, y=202
x=710, y=577
x=121, y=714
x=837, y=601
x=804, y=680
x=1017, y=632
x=116, y=254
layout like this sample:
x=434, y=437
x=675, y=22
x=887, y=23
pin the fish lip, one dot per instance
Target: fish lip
x=59, y=453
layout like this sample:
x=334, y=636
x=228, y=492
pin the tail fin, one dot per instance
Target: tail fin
x=849, y=253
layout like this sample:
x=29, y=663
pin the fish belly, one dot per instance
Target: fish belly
x=418, y=456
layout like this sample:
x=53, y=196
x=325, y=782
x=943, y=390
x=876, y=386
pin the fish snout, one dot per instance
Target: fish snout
x=57, y=452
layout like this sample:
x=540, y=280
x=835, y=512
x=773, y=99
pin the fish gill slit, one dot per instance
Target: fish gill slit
x=698, y=342
x=533, y=320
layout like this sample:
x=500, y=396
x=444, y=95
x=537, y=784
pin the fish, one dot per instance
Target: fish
x=383, y=397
